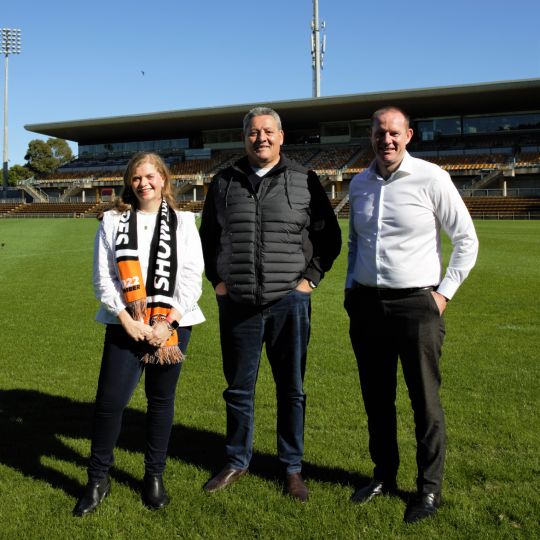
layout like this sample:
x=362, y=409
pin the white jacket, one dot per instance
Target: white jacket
x=106, y=279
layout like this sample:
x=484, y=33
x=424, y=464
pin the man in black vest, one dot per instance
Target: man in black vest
x=269, y=234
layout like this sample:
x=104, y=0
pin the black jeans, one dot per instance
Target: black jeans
x=284, y=327
x=120, y=373
x=385, y=325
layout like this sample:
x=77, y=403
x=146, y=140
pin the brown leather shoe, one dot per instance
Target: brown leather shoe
x=296, y=487
x=223, y=478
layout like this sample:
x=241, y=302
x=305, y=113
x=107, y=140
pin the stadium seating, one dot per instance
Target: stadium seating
x=333, y=158
x=489, y=207
x=503, y=207
x=361, y=162
x=479, y=207
x=528, y=159
x=336, y=164
x=7, y=208
x=470, y=161
x=191, y=206
x=50, y=209
x=304, y=156
x=68, y=175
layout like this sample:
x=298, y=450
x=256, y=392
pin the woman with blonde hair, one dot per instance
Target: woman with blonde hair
x=147, y=275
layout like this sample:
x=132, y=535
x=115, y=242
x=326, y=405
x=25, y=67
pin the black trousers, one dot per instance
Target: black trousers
x=385, y=325
x=121, y=370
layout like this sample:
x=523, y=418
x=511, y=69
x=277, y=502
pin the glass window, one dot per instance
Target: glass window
x=222, y=136
x=361, y=129
x=128, y=148
x=430, y=130
x=494, y=124
x=335, y=130
x=447, y=126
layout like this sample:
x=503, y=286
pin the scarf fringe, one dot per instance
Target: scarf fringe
x=137, y=309
x=164, y=355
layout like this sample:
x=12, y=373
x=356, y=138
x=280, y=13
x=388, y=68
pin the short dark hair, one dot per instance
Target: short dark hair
x=389, y=108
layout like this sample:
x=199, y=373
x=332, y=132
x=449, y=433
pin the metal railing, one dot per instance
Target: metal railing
x=506, y=215
x=510, y=192
x=35, y=215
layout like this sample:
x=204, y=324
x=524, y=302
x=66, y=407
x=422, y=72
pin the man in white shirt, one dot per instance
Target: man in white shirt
x=395, y=295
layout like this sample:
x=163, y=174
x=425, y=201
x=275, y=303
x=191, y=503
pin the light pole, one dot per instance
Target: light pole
x=10, y=43
x=317, y=48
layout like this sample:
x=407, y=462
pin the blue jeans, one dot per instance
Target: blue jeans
x=120, y=373
x=284, y=327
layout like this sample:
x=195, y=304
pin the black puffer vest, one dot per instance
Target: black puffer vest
x=263, y=233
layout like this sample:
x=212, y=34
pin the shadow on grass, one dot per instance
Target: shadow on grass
x=31, y=424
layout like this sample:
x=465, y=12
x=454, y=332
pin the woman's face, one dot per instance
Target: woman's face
x=147, y=185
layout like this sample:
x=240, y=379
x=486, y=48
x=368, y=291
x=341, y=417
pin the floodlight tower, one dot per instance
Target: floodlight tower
x=10, y=43
x=317, y=48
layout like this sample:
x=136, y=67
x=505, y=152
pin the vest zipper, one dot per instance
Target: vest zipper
x=258, y=241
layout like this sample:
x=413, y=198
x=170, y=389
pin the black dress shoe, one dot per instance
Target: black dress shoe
x=154, y=494
x=296, y=487
x=93, y=494
x=372, y=490
x=424, y=505
x=223, y=478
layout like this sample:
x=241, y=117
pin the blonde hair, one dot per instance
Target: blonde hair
x=127, y=199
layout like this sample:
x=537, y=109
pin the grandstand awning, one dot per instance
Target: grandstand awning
x=484, y=98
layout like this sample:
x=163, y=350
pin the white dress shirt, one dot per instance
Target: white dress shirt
x=106, y=279
x=394, y=239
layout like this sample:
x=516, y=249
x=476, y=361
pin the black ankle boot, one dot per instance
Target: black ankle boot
x=154, y=494
x=93, y=494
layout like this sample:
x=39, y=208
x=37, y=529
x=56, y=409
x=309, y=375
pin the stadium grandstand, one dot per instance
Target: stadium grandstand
x=487, y=136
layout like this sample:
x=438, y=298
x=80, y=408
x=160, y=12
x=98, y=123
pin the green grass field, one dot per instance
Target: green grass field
x=50, y=352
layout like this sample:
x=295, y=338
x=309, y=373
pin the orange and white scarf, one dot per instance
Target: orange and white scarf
x=151, y=301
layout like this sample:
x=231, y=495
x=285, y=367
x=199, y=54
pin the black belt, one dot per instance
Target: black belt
x=385, y=292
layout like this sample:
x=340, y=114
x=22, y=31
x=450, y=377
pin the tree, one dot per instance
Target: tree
x=18, y=172
x=39, y=157
x=44, y=157
x=61, y=150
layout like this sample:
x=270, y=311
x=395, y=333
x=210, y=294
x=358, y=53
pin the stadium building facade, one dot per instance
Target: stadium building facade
x=486, y=135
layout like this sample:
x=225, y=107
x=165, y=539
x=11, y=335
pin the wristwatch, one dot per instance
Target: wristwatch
x=172, y=324
x=311, y=284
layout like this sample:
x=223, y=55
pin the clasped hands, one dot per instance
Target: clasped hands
x=156, y=335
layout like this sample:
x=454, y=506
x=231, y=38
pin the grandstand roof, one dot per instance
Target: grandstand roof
x=484, y=98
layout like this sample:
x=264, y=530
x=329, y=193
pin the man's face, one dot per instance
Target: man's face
x=263, y=141
x=390, y=135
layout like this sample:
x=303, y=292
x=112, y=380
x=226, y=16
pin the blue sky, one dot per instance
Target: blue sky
x=85, y=59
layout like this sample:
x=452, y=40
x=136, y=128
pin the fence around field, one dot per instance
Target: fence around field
x=38, y=215
x=482, y=208
x=505, y=215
